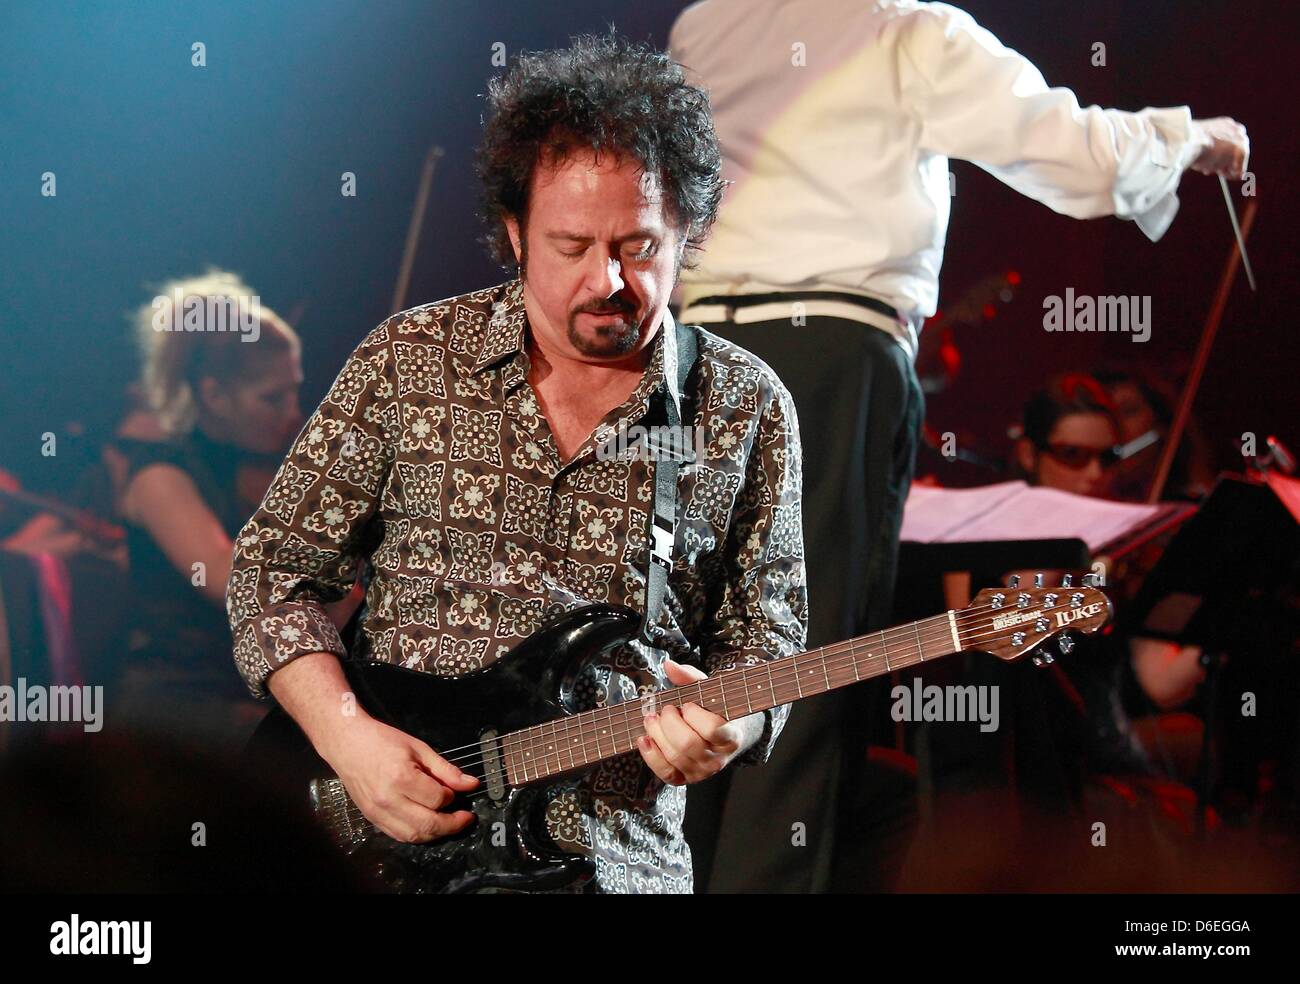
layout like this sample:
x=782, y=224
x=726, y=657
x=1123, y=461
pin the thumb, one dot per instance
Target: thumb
x=680, y=673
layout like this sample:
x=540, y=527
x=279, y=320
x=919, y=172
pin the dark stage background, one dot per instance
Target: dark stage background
x=163, y=168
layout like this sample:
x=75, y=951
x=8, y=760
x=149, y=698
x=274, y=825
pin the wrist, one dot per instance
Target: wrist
x=333, y=735
x=1199, y=141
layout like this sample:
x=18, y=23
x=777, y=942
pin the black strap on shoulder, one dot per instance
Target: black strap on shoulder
x=662, y=527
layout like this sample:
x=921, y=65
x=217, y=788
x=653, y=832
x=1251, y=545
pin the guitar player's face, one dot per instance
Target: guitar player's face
x=600, y=256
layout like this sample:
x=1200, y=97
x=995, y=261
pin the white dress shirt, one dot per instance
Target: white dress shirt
x=836, y=119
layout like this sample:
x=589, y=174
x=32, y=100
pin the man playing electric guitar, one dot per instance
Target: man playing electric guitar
x=464, y=452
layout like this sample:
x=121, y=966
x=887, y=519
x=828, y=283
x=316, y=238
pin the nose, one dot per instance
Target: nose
x=604, y=276
x=1093, y=477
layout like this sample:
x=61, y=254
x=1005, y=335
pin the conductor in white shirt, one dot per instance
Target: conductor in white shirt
x=836, y=120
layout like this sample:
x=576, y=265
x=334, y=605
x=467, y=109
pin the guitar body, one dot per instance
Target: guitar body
x=507, y=847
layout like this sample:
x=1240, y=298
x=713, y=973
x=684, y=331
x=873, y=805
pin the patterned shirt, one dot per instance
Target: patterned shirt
x=431, y=459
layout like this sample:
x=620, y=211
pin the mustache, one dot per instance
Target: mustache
x=615, y=307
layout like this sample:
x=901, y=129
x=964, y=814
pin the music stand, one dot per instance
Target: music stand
x=1227, y=572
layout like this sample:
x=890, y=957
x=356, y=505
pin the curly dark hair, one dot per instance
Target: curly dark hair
x=602, y=94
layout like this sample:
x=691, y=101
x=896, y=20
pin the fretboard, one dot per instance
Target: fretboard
x=546, y=750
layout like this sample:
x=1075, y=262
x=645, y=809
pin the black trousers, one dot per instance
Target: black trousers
x=801, y=822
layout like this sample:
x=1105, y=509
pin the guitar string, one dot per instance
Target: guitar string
x=975, y=623
x=503, y=777
x=937, y=631
x=833, y=658
x=782, y=668
x=781, y=672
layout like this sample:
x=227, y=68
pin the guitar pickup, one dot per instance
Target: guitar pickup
x=494, y=773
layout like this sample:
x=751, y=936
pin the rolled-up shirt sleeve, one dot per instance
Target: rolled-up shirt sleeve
x=977, y=100
x=303, y=546
x=762, y=601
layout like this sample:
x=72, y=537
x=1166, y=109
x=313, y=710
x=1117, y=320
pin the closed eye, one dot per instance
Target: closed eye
x=649, y=250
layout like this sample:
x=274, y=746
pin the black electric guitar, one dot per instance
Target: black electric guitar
x=512, y=725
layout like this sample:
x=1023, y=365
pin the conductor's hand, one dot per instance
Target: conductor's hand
x=399, y=782
x=1229, y=150
x=689, y=744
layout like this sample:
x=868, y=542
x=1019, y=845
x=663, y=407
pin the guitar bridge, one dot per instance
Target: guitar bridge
x=342, y=818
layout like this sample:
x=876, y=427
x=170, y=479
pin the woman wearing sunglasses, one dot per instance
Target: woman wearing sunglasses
x=1070, y=435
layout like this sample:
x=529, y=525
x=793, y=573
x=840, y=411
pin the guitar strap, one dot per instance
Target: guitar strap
x=662, y=527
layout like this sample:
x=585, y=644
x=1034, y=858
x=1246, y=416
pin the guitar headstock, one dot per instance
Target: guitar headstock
x=1013, y=621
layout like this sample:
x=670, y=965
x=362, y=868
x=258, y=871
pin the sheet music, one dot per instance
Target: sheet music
x=1018, y=511
x=936, y=515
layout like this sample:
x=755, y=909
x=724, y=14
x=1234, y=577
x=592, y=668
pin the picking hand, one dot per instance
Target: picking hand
x=400, y=783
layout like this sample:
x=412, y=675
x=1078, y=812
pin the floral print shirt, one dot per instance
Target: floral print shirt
x=430, y=459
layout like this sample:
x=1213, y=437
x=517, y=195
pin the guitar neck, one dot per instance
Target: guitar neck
x=555, y=747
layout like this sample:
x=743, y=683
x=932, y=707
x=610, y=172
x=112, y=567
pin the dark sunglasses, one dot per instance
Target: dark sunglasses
x=1076, y=456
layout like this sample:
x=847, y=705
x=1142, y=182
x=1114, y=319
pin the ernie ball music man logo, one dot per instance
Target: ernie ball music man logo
x=1013, y=618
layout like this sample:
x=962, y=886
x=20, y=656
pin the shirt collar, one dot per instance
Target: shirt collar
x=505, y=328
x=662, y=369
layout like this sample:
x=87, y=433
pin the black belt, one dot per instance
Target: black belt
x=748, y=300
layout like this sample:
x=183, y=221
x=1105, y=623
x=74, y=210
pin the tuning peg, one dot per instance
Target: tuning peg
x=1047, y=657
x=1067, y=581
x=1041, y=625
x=1013, y=581
x=1049, y=599
x=1065, y=644
x=1038, y=580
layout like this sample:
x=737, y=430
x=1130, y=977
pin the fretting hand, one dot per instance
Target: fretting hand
x=689, y=744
